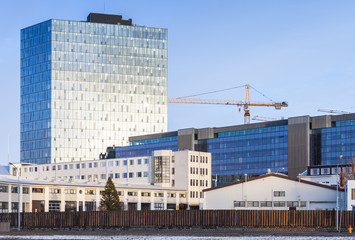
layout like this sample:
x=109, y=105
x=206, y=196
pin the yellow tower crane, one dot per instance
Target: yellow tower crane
x=245, y=104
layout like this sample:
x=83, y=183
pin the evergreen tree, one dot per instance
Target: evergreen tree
x=110, y=201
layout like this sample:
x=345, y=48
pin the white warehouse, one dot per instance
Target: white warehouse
x=272, y=191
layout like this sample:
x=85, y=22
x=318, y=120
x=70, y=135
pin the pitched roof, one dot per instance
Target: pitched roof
x=274, y=175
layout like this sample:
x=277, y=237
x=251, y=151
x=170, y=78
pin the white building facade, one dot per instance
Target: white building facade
x=272, y=192
x=166, y=175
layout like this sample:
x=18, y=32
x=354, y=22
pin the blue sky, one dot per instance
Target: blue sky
x=298, y=51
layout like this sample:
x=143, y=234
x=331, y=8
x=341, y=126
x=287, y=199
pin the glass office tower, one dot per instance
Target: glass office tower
x=89, y=85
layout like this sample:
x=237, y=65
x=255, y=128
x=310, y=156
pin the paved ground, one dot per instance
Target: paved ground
x=198, y=232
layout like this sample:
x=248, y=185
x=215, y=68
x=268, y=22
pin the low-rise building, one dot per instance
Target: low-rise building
x=165, y=180
x=273, y=191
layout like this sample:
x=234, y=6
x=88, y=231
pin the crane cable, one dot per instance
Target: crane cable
x=213, y=92
x=226, y=89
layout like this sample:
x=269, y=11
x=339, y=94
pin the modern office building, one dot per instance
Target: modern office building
x=86, y=85
x=285, y=146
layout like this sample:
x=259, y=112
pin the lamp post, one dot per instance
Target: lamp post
x=18, y=191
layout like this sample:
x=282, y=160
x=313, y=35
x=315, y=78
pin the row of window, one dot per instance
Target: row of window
x=194, y=182
x=194, y=158
x=194, y=194
x=5, y=189
x=270, y=204
x=88, y=165
x=203, y=171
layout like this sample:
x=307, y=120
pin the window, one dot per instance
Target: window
x=90, y=165
x=103, y=176
x=158, y=206
x=292, y=204
x=125, y=175
x=315, y=171
x=38, y=190
x=131, y=175
x=59, y=167
x=353, y=194
x=77, y=177
x=54, y=191
x=279, y=204
x=325, y=171
x=132, y=193
x=139, y=161
x=265, y=204
x=3, y=188
x=82, y=177
x=14, y=189
x=125, y=162
x=201, y=194
x=131, y=162
x=90, y=192
x=158, y=194
x=54, y=206
x=77, y=165
x=171, y=195
x=139, y=174
x=95, y=164
x=117, y=175
x=96, y=176
x=303, y=204
x=145, y=174
x=146, y=161
x=239, y=204
x=253, y=204
x=279, y=194
x=172, y=171
x=65, y=167
x=110, y=163
x=117, y=163
x=53, y=167
x=145, y=194
x=71, y=166
x=25, y=190
x=69, y=191
x=111, y=175
x=103, y=164
x=182, y=195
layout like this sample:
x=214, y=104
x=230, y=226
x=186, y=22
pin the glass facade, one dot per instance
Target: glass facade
x=234, y=153
x=328, y=144
x=86, y=86
x=251, y=152
x=147, y=147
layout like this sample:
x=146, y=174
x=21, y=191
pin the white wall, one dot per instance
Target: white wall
x=262, y=190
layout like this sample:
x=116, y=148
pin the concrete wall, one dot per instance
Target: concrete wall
x=298, y=145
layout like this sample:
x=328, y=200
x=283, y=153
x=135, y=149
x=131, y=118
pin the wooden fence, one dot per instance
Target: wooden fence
x=183, y=218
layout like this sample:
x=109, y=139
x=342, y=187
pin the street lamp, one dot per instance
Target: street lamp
x=18, y=191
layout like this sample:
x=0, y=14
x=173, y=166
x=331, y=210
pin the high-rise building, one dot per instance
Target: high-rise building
x=86, y=85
